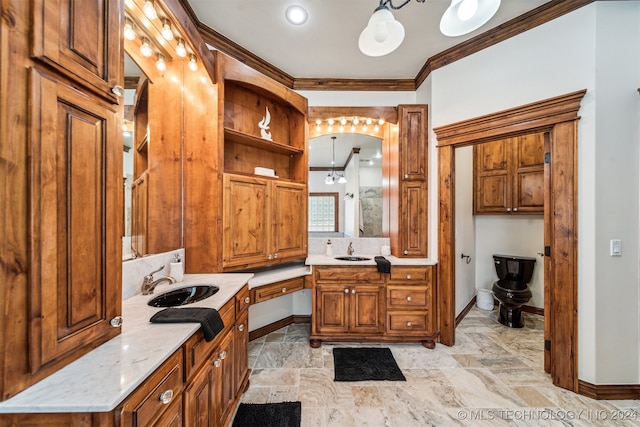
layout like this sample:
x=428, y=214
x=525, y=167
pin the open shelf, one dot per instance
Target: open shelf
x=253, y=141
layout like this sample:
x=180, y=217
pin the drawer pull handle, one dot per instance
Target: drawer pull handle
x=166, y=396
x=216, y=363
x=223, y=355
x=284, y=290
x=408, y=277
x=241, y=328
x=247, y=300
x=118, y=91
x=409, y=298
x=409, y=324
x=275, y=255
x=269, y=256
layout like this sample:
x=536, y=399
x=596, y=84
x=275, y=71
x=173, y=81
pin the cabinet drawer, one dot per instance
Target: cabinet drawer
x=149, y=401
x=274, y=290
x=411, y=274
x=243, y=299
x=408, y=322
x=350, y=274
x=197, y=349
x=408, y=297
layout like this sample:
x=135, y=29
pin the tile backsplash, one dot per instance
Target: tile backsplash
x=361, y=246
x=133, y=271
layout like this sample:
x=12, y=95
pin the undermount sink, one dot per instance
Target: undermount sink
x=183, y=296
x=352, y=258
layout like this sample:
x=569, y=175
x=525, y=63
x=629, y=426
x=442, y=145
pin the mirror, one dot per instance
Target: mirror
x=362, y=136
x=358, y=159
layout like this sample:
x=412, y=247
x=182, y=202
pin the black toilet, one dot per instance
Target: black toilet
x=512, y=290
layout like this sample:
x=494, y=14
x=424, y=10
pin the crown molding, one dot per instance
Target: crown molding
x=542, y=14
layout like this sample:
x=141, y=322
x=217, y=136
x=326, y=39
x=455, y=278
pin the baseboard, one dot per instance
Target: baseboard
x=272, y=327
x=465, y=311
x=609, y=391
x=533, y=310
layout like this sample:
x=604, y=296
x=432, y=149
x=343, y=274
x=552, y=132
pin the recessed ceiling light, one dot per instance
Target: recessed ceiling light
x=296, y=14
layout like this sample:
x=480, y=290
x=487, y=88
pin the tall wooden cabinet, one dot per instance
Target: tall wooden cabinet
x=63, y=274
x=405, y=164
x=509, y=176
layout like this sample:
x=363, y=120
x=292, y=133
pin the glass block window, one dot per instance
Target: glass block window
x=323, y=212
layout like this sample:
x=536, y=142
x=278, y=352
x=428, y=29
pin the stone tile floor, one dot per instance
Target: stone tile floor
x=492, y=376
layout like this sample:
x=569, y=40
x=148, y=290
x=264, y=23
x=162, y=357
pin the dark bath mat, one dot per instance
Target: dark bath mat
x=285, y=414
x=363, y=364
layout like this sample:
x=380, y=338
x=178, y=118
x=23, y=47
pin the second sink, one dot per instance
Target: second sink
x=182, y=296
x=352, y=258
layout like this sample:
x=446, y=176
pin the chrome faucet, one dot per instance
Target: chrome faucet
x=148, y=284
x=350, y=249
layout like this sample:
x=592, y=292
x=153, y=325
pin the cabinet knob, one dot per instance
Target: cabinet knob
x=275, y=255
x=247, y=300
x=269, y=256
x=353, y=291
x=116, y=322
x=118, y=91
x=223, y=355
x=216, y=363
x=406, y=176
x=166, y=396
x=508, y=209
x=284, y=290
x=409, y=298
x=408, y=277
x=346, y=291
x=515, y=209
x=241, y=327
x=406, y=252
x=409, y=324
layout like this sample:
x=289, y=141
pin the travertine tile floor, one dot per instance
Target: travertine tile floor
x=492, y=376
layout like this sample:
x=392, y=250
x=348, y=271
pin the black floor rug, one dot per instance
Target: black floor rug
x=285, y=414
x=363, y=364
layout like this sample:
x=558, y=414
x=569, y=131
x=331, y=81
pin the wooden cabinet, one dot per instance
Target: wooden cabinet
x=348, y=305
x=278, y=289
x=509, y=176
x=62, y=145
x=261, y=221
x=406, y=166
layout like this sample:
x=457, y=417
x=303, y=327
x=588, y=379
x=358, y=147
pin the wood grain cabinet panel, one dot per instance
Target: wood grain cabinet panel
x=509, y=176
x=413, y=140
x=278, y=289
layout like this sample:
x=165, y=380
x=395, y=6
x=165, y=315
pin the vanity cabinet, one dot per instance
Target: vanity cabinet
x=508, y=176
x=353, y=303
x=406, y=166
x=62, y=145
x=278, y=289
x=261, y=221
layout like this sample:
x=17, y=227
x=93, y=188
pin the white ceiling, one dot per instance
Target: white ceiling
x=326, y=46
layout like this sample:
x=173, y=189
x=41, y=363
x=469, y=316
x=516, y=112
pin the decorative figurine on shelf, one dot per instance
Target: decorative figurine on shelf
x=264, y=125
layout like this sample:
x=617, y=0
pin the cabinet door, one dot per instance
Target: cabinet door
x=413, y=220
x=289, y=216
x=198, y=399
x=528, y=186
x=241, y=350
x=367, y=309
x=223, y=375
x=413, y=141
x=245, y=219
x=332, y=308
x=491, y=177
x=80, y=39
x=75, y=203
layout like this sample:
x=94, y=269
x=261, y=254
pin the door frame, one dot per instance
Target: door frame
x=557, y=117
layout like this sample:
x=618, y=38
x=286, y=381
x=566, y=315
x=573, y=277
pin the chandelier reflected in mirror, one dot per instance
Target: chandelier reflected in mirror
x=333, y=177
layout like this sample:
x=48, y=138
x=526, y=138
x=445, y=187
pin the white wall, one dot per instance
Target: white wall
x=593, y=48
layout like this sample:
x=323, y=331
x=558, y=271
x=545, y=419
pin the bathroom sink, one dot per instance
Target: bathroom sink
x=182, y=296
x=352, y=258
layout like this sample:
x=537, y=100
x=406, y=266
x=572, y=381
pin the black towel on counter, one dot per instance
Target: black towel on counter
x=209, y=318
x=384, y=266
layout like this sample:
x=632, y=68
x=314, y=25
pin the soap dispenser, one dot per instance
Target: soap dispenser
x=329, y=251
x=175, y=269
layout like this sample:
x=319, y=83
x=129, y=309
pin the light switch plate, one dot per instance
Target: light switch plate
x=615, y=247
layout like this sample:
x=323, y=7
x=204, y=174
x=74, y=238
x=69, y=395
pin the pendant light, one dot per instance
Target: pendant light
x=465, y=16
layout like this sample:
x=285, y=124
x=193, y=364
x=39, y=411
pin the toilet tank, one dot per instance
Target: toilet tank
x=517, y=268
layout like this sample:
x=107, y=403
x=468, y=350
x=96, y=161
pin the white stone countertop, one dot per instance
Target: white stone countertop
x=321, y=259
x=102, y=378
x=267, y=277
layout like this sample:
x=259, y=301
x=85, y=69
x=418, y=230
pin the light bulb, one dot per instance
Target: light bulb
x=181, y=50
x=296, y=15
x=129, y=32
x=381, y=122
x=343, y=121
x=330, y=128
x=353, y=128
x=330, y=121
x=376, y=128
x=467, y=9
x=368, y=121
x=161, y=65
x=145, y=47
x=193, y=63
x=341, y=128
x=356, y=121
x=380, y=32
x=318, y=122
x=318, y=128
x=364, y=128
x=149, y=10
x=167, y=33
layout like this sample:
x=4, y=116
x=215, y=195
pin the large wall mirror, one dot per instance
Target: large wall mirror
x=346, y=171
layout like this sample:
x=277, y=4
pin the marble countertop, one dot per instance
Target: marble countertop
x=321, y=259
x=284, y=273
x=102, y=378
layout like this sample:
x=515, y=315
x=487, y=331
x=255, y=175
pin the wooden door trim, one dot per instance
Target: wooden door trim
x=557, y=116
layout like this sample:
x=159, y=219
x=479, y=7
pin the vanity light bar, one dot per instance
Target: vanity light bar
x=351, y=124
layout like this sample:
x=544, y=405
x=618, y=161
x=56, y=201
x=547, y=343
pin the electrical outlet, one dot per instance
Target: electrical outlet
x=615, y=247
